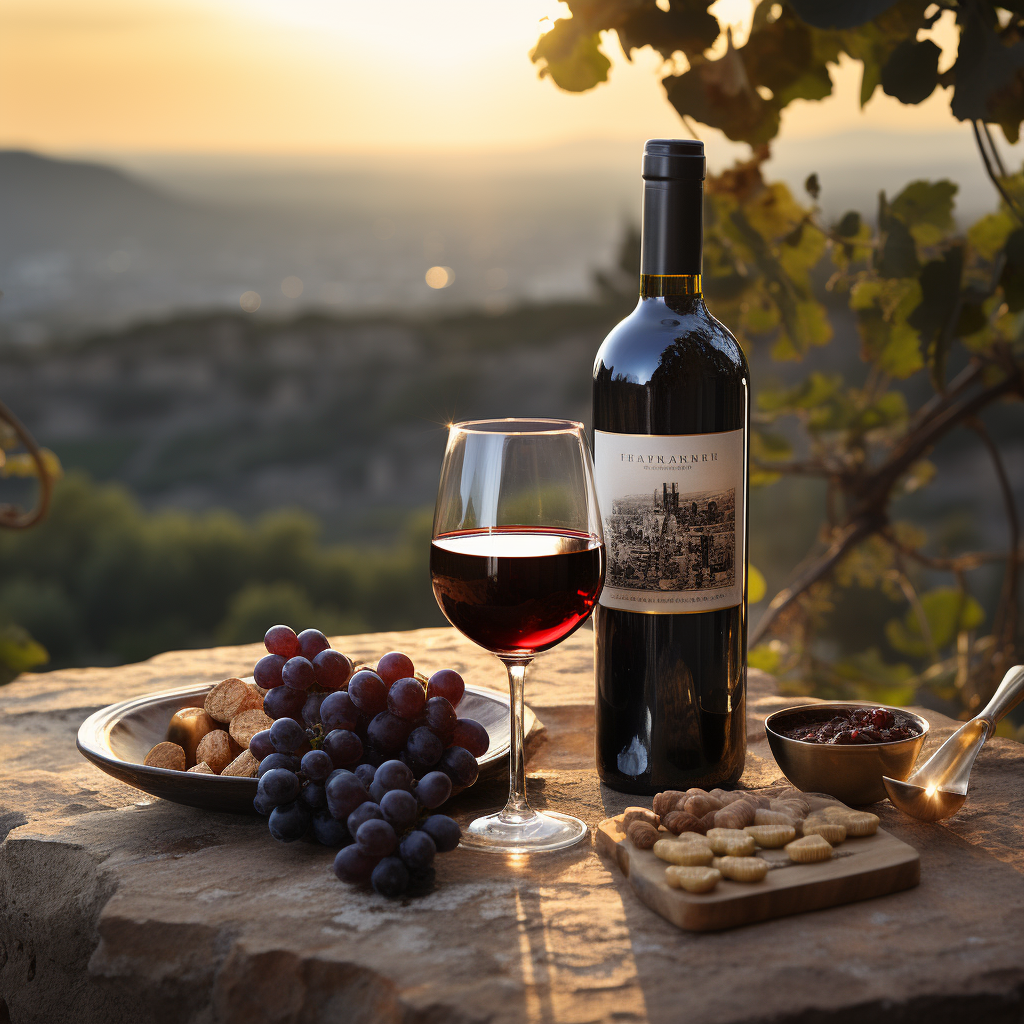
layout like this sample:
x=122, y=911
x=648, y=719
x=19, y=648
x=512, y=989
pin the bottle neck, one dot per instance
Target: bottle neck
x=673, y=236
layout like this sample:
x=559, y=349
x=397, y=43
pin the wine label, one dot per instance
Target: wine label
x=674, y=521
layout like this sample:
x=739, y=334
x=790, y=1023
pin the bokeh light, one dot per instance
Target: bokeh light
x=440, y=277
x=250, y=301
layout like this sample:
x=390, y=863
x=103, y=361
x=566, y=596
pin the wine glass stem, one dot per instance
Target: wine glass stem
x=518, y=808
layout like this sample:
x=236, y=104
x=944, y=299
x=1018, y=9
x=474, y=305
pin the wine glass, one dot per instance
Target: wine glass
x=517, y=563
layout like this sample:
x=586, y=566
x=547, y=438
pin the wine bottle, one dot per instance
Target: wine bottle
x=671, y=411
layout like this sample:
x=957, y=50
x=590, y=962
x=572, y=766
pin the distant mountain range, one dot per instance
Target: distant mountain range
x=100, y=244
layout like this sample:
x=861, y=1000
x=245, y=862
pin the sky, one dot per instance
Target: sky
x=308, y=77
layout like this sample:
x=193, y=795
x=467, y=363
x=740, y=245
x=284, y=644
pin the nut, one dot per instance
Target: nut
x=809, y=850
x=700, y=803
x=187, y=727
x=742, y=869
x=858, y=823
x=771, y=837
x=678, y=822
x=201, y=769
x=737, y=814
x=686, y=853
x=763, y=817
x=667, y=801
x=166, y=755
x=227, y=699
x=642, y=834
x=831, y=831
x=793, y=807
x=244, y=766
x=692, y=879
x=244, y=726
x=216, y=750
x=726, y=796
x=639, y=814
x=727, y=842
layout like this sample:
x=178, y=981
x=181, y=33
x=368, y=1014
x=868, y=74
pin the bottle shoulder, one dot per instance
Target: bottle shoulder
x=659, y=338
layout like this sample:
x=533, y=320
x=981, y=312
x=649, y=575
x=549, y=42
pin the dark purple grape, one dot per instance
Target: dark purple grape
x=365, y=772
x=273, y=761
x=364, y=812
x=433, y=789
x=312, y=642
x=311, y=710
x=287, y=735
x=439, y=717
x=338, y=712
x=444, y=831
x=400, y=808
x=283, y=641
x=406, y=699
x=388, y=733
x=374, y=758
x=289, y=822
x=417, y=850
x=460, y=766
x=260, y=745
x=284, y=702
x=394, y=666
x=314, y=796
x=332, y=669
x=278, y=786
x=448, y=684
x=471, y=735
x=376, y=838
x=267, y=672
x=261, y=805
x=298, y=673
x=394, y=775
x=352, y=865
x=377, y=791
x=390, y=877
x=343, y=747
x=424, y=746
x=344, y=794
x=317, y=765
x=368, y=692
x=418, y=770
x=329, y=831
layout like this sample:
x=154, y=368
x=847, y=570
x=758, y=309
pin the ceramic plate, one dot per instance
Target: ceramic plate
x=117, y=738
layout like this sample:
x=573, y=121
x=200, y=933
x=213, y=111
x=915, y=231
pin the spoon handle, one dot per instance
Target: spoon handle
x=1009, y=694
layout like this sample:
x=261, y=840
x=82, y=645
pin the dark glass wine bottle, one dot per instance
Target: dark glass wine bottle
x=671, y=411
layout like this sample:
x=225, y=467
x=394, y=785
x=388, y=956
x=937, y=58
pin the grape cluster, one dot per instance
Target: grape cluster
x=361, y=759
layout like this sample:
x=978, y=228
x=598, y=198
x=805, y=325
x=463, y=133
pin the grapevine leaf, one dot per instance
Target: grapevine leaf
x=571, y=58
x=947, y=611
x=839, y=13
x=912, y=71
x=926, y=202
x=19, y=652
x=687, y=26
x=756, y=585
x=984, y=66
x=989, y=234
x=940, y=298
x=849, y=226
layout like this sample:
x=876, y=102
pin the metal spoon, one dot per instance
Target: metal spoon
x=938, y=788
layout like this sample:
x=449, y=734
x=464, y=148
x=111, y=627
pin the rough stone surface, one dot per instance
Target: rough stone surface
x=118, y=908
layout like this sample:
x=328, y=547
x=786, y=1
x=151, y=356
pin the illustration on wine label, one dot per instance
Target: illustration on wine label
x=673, y=520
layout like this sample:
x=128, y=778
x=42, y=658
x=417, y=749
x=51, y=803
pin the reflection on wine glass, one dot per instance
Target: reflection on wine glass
x=517, y=564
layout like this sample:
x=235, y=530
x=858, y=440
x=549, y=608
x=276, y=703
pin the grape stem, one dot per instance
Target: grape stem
x=517, y=810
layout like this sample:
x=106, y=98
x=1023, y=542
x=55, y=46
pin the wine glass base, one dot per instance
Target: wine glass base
x=538, y=833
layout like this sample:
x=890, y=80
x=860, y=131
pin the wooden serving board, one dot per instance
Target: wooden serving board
x=860, y=869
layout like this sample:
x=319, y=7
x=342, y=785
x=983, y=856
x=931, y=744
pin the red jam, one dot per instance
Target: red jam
x=855, y=725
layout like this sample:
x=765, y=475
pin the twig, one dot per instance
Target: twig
x=995, y=152
x=959, y=563
x=11, y=517
x=995, y=177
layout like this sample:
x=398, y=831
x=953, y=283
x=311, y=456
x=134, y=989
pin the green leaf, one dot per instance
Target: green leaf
x=757, y=588
x=989, y=234
x=849, y=226
x=687, y=26
x=940, y=291
x=926, y=202
x=898, y=254
x=19, y=652
x=912, y=71
x=984, y=66
x=1012, y=278
x=839, y=13
x=571, y=58
x=947, y=611
x=812, y=186
x=766, y=657
x=722, y=98
x=877, y=679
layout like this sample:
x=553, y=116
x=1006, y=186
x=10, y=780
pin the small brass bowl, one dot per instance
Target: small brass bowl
x=850, y=772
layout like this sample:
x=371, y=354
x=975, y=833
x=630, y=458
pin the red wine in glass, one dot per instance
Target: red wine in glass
x=514, y=589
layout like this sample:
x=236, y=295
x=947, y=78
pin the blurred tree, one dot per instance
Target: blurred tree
x=940, y=314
